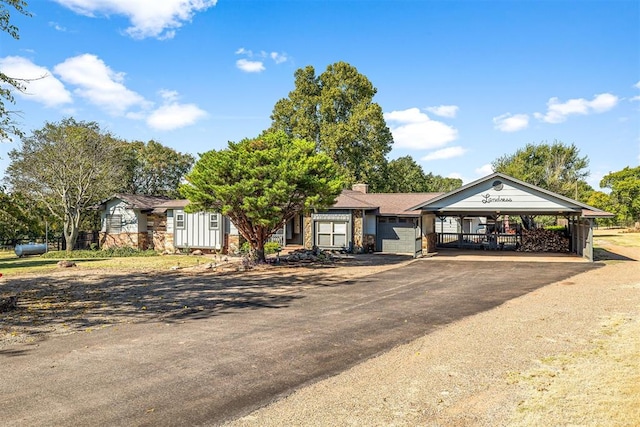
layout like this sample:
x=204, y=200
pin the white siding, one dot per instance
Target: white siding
x=196, y=232
x=448, y=225
x=170, y=221
x=130, y=218
x=451, y=224
x=510, y=196
x=428, y=224
x=231, y=227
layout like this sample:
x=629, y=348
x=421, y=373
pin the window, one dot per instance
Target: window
x=179, y=220
x=331, y=234
x=213, y=221
x=114, y=223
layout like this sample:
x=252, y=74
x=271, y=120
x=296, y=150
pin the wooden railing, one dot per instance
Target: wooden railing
x=479, y=241
x=278, y=238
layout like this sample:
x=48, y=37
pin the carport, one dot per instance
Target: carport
x=498, y=195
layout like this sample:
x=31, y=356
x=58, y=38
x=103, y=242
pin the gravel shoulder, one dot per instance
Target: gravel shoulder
x=565, y=354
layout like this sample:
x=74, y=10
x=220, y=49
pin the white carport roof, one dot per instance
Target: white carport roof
x=499, y=194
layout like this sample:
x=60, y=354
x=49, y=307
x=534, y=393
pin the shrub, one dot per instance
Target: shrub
x=269, y=248
x=103, y=253
x=272, y=248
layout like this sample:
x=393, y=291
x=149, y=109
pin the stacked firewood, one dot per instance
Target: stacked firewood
x=541, y=240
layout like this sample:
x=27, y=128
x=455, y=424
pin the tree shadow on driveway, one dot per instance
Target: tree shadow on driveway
x=59, y=304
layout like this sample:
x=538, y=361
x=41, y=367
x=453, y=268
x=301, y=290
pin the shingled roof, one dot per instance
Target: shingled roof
x=396, y=204
x=137, y=201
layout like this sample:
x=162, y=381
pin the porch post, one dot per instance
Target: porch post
x=589, y=243
x=578, y=236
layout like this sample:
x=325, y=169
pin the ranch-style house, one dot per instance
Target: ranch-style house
x=473, y=216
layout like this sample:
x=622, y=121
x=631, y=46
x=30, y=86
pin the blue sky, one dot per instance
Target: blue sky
x=461, y=82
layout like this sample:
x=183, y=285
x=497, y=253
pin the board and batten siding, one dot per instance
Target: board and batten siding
x=199, y=230
x=509, y=197
x=131, y=221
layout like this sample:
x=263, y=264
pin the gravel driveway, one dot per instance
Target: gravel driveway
x=564, y=354
x=241, y=341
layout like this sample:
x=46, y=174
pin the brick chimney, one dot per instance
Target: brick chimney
x=362, y=188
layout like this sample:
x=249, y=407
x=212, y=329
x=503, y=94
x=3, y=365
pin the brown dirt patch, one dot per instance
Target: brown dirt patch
x=71, y=301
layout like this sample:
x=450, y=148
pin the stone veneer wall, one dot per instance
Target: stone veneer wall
x=121, y=240
x=358, y=231
x=308, y=231
x=429, y=242
x=233, y=244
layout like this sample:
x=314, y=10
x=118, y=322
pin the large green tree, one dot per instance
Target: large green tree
x=335, y=110
x=404, y=175
x=8, y=84
x=556, y=167
x=154, y=169
x=67, y=166
x=261, y=183
x=440, y=184
x=20, y=217
x=625, y=192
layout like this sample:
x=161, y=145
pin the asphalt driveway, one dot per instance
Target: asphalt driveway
x=204, y=370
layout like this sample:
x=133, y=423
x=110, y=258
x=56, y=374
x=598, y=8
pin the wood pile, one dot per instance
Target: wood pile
x=541, y=240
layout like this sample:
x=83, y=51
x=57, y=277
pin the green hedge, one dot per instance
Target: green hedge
x=556, y=228
x=106, y=253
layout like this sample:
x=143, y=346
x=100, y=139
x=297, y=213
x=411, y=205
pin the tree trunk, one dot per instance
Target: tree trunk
x=258, y=250
x=70, y=233
x=259, y=255
x=528, y=222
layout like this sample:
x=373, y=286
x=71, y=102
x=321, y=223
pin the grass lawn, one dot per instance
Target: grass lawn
x=11, y=265
x=617, y=237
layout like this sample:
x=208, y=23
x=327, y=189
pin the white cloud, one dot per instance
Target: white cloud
x=169, y=95
x=448, y=111
x=278, y=58
x=445, y=153
x=557, y=111
x=42, y=87
x=57, y=27
x=413, y=129
x=99, y=84
x=511, y=122
x=250, y=66
x=484, y=170
x=174, y=116
x=637, y=85
x=148, y=18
